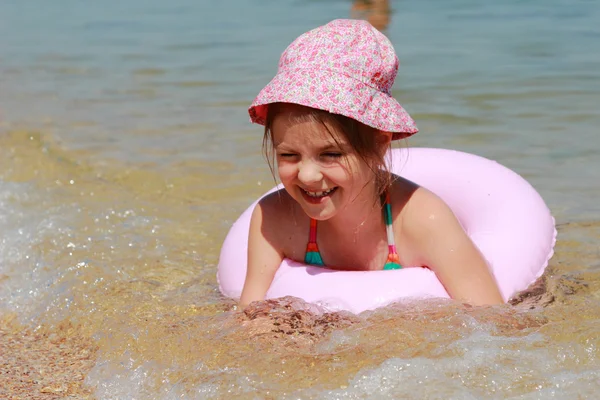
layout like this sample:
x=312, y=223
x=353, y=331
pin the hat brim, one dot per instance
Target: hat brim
x=338, y=94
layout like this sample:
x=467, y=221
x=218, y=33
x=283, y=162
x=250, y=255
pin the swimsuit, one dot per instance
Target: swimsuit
x=313, y=256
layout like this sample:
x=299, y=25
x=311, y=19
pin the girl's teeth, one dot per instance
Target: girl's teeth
x=319, y=194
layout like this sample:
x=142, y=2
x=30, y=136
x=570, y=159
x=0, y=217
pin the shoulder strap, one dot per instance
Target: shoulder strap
x=312, y=255
x=393, y=260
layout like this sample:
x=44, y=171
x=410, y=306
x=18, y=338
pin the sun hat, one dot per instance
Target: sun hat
x=345, y=67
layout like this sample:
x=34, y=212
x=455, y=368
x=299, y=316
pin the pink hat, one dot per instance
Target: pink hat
x=345, y=67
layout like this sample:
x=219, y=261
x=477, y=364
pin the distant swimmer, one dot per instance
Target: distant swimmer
x=377, y=12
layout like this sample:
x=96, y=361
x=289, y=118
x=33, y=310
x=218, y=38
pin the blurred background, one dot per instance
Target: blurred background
x=126, y=153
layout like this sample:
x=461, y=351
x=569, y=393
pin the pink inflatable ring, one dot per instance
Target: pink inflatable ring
x=503, y=214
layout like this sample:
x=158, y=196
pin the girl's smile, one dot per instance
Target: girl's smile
x=317, y=197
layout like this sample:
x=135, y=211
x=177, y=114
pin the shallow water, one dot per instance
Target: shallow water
x=126, y=154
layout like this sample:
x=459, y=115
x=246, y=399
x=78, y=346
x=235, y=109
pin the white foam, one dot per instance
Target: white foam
x=121, y=379
x=21, y=231
x=479, y=366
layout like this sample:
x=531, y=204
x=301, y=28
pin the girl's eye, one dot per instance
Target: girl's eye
x=286, y=155
x=332, y=154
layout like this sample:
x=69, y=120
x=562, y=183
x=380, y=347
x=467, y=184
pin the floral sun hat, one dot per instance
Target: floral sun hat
x=345, y=67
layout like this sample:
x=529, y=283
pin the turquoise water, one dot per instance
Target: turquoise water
x=126, y=153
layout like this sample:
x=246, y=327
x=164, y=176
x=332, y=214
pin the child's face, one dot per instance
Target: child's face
x=324, y=175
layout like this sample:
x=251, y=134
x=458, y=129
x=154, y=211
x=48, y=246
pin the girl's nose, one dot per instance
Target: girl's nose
x=309, y=172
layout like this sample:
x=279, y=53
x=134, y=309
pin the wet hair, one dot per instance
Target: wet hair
x=364, y=140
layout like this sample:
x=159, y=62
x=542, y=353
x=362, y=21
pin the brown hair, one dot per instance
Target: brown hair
x=365, y=140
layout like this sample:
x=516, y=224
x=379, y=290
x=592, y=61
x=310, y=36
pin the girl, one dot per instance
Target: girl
x=329, y=121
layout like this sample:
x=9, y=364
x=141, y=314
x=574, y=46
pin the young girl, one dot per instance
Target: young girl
x=329, y=121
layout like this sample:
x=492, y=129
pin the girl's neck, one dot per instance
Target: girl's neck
x=362, y=215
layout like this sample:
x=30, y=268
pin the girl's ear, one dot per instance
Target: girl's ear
x=383, y=141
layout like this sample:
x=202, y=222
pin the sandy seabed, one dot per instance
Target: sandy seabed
x=35, y=364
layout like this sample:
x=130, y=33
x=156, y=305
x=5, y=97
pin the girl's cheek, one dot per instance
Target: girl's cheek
x=285, y=171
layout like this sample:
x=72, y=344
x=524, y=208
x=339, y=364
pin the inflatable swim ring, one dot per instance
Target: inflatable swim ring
x=502, y=213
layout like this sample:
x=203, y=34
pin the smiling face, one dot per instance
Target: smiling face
x=317, y=163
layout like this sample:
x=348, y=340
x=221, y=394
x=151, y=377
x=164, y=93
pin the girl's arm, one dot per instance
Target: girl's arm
x=263, y=257
x=444, y=247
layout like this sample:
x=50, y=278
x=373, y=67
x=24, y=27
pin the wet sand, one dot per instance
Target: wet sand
x=44, y=364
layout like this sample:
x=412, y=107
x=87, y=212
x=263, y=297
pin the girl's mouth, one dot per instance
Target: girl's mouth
x=317, y=197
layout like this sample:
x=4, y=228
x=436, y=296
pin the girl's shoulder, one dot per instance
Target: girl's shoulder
x=282, y=221
x=276, y=205
x=281, y=213
x=415, y=206
x=419, y=216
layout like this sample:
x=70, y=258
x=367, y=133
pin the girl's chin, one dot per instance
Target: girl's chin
x=320, y=213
